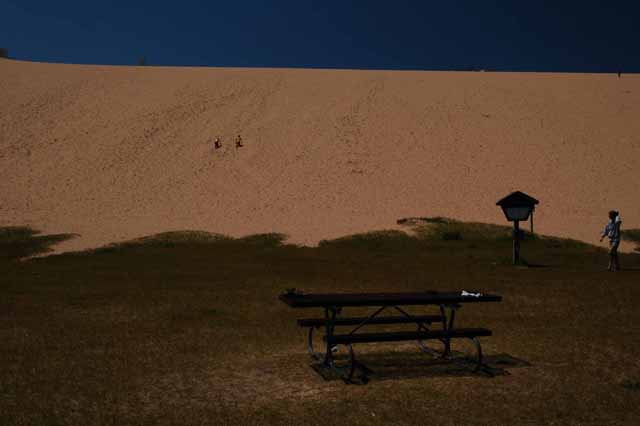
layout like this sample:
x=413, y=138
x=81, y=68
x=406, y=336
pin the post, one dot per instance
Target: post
x=532, y=210
x=516, y=242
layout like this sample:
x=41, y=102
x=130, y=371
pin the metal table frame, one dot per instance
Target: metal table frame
x=332, y=308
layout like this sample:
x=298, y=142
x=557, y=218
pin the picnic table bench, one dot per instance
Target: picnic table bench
x=334, y=303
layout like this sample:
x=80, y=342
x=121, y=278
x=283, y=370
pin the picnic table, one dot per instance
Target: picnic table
x=438, y=326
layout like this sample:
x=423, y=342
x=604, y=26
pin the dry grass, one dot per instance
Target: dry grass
x=186, y=329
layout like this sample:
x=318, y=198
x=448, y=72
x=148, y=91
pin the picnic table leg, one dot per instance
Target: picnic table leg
x=330, y=318
x=421, y=327
x=452, y=317
x=367, y=319
x=478, y=361
x=445, y=326
x=448, y=325
x=314, y=355
x=346, y=371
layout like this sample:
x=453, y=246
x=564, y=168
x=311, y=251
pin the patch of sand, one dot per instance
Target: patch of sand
x=114, y=153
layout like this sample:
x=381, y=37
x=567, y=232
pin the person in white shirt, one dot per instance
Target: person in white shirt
x=612, y=230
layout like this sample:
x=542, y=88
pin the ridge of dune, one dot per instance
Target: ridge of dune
x=114, y=153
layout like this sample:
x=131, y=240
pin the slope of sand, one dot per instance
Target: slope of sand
x=113, y=153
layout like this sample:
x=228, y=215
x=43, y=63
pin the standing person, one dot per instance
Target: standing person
x=217, y=143
x=238, y=142
x=612, y=230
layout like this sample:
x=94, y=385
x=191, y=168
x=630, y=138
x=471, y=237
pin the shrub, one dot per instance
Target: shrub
x=374, y=240
x=17, y=242
x=451, y=235
x=632, y=235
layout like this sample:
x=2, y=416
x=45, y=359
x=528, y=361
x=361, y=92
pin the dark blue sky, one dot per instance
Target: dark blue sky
x=540, y=35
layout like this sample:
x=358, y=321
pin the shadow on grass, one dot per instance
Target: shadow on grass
x=631, y=384
x=537, y=265
x=17, y=242
x=383, y=366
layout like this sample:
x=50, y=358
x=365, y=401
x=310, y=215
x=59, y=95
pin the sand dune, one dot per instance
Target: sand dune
x=114, y=153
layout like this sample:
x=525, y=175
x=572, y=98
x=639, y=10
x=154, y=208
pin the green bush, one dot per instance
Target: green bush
x=376, y=240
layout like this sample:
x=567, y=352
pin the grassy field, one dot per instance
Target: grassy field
x=186, y=329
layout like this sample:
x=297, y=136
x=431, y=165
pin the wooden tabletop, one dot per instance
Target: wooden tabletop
x=310, y=300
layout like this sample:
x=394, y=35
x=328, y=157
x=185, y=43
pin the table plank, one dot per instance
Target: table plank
x=382, y=299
